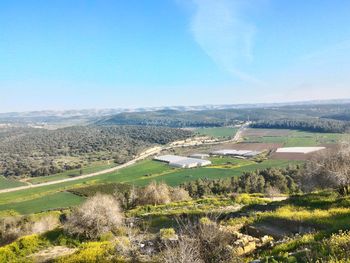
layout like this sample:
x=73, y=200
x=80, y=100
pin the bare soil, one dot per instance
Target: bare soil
x=292, y=156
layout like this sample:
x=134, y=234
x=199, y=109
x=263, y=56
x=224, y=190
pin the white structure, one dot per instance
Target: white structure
x=252, y=154
x=199, y=156
x=303, y=150
x=182, y=162
x=169, y=158
x=240, y=153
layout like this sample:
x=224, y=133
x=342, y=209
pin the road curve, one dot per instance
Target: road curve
x=110, y=170
x=145, y=155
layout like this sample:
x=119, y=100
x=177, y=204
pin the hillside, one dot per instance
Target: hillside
x=39, y=152
x=235, y=210
x=320, y=118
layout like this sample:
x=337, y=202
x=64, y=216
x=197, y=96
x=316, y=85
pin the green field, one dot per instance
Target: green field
x=300, y=138
x=48, y=202
x=140, y=174
x=8, y=183
x=71, y=173
x=219, y=132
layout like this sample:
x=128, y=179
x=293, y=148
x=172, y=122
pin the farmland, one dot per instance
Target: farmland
x=221, y=132
x=52, y=201
x=144, y=172
x=47, y=197
x=8, y=183
x=292, y=138
x=98, y=166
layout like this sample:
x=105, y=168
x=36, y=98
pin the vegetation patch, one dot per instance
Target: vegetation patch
x=6, y=183
x=220, y=132
x=60, y=200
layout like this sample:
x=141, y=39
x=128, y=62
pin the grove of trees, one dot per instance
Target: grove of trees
x=39, y=152
x=313, y=125
x=284, y=180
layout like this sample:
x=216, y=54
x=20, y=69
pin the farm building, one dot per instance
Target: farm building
x=302, y=150
x=168, y=158
x=199, y=156
x=236, y=153
x=182, y=162
x=252, y=154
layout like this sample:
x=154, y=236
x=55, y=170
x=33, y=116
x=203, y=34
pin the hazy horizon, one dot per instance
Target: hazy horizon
x=294, y=102
x=60, y=55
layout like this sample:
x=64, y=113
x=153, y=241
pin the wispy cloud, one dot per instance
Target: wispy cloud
x=220, y=30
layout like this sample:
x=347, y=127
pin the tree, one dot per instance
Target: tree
x=98, y=215
x=154, y=194
x=178, y=194
x=329, y=170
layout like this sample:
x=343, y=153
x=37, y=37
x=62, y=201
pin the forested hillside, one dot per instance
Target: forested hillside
x=314, y=125
x=320, y=118
x=38, y=152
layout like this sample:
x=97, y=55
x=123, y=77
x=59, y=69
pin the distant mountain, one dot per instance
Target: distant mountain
x=50, y=118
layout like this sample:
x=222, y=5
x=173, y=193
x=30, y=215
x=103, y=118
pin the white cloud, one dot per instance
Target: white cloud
x=220, y=30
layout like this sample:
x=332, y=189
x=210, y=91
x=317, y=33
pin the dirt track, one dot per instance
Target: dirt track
x=110, y=170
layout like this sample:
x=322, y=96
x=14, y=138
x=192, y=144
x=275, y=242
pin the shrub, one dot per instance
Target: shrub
x=90, y=252
x=45, y=224
x=98, y=215
x=339, y=245
x=178, y=194
x=21, y=248
x=200, y=242
x=157, y=194
x=154, y=194
x=247, y=199
x=14, y=226
x=167, y=234
x=186, y=250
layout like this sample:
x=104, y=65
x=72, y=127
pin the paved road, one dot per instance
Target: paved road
x=145, y=155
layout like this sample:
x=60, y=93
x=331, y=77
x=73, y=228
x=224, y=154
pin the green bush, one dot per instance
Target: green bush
x=58, y=237
x=90, y=252
x=167, y=233
x=18, y=250
x=247, y=199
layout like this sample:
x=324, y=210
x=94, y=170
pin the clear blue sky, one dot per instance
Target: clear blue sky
x=72, y=54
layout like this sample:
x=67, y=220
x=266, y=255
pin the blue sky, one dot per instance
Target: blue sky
x=64, y=54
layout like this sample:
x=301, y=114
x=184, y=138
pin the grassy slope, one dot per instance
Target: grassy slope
x=8, y=183
x=326, y=212
x=323, y=210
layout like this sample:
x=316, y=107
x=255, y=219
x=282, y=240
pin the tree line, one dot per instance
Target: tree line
x=277, y=180
x=313, y=125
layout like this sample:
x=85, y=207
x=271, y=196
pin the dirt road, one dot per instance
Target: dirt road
x=147, y=154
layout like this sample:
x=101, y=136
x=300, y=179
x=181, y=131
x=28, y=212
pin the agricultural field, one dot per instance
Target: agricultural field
x=220, y=132
x=9, y=183
x=292, y=138
x=93, y=168
x=60, y=200
x=144, y=172
x=140, y=174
